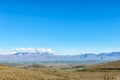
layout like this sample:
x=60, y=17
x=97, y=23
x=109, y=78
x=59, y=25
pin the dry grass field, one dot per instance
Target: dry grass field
x=46, y=73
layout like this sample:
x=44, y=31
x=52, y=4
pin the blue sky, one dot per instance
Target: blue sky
x=67, y=26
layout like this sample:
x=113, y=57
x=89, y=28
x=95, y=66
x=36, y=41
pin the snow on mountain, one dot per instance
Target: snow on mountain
x=46, y=56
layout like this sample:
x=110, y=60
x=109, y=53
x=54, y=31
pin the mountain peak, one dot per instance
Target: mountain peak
x=45, y=56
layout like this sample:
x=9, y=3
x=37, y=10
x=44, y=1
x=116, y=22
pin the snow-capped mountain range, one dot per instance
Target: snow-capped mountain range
x=45, y=56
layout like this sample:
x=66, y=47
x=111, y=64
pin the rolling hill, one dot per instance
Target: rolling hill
x=109, y=65
x=35, y=72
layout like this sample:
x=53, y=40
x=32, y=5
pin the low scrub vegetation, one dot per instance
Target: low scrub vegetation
x=41, y=72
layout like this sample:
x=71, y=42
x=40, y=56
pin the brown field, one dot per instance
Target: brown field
x=108, y=71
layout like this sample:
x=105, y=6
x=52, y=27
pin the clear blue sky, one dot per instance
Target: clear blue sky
x=67, y=26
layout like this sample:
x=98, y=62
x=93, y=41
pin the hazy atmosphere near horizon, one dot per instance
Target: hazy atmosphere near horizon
x=64, y=27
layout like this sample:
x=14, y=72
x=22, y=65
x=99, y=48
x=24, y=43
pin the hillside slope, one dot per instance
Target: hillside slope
x=115, y=65
x=44, y=73
x=9, y=73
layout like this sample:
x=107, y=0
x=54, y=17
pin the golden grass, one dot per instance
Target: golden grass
x=10, y=73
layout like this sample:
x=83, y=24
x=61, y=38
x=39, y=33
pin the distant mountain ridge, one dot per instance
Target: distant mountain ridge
x=37, y=56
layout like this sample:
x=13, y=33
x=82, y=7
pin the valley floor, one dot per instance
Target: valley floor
x=10, y=73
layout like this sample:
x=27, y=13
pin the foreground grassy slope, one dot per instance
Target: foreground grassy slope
x=46, y=73
x=7, y=73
